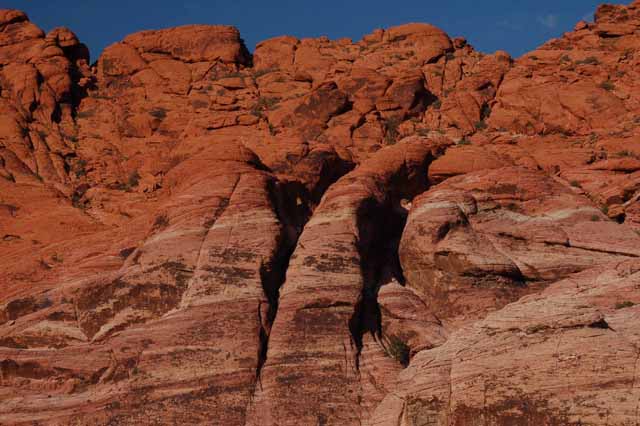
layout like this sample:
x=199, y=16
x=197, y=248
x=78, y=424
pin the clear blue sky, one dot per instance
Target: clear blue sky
x=516, y=26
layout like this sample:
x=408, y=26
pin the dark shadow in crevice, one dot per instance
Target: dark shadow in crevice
x=380, y=227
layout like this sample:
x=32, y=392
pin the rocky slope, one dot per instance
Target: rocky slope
x=395, y=231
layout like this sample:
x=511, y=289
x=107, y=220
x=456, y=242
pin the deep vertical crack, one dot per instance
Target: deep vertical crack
x=380, y=226
x=290, y=202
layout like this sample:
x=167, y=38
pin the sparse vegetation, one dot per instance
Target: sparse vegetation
x=262, y=72
x=437, y=104
x=86, y=114
x=595, y=218
x=591, y=60
x=231, y=74
x=625, y=304
x=81, y=168
x=608, y=85
x=199, y=104
x=161, y=222
x=481, y=125
x=159, y=113
x=512, y=207
x=391, y=132
x=134, y=179
x=464, y=141
x=125, y=253
x=399, y=350
x=575, y=184
x=264, y=104
x=625, y=153
x=485, y=111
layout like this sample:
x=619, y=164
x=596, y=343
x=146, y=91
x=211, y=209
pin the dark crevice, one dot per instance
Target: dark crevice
x=292, y=203
x=603, y=324
x=380, y=227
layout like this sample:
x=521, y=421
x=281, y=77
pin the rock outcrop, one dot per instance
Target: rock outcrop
x=395, y=231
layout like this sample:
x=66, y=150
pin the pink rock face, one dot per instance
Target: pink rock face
x=566, y=355
x=394, y=231
x=483, y=239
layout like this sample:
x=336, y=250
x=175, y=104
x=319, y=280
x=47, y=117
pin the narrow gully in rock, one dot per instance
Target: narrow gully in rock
x=380, y=227
x=293, y=204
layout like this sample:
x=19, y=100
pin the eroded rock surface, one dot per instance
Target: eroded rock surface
x=395, y=231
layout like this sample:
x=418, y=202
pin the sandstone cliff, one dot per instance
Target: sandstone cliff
x=397, y=231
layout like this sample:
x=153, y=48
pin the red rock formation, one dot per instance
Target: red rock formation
x=394, y=231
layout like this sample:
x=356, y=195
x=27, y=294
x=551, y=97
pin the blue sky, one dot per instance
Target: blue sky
x=516, y=26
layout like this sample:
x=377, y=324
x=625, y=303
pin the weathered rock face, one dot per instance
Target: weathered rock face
x=545, y=359
x=483, y=239
x=394, y=231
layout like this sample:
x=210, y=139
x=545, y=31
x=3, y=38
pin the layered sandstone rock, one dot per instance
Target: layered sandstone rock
x=546, y=359
x=398, y=230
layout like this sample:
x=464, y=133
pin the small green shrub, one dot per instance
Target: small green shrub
x=231, y=74
x=512, y=207
x=125, y=253
x=134, y=179
x=481, y=125
x=81, y=168
x=625, y=304
x=464, y=141
x=86, y=114
x=591, y=60
x=161, y=222
x=607, y=85
x=262, y=72
x=485, y=111
x=159, y=113
x=391, y=132
x=575, y=184
x=399, y=350
x=264, y=104
x=199, y=104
